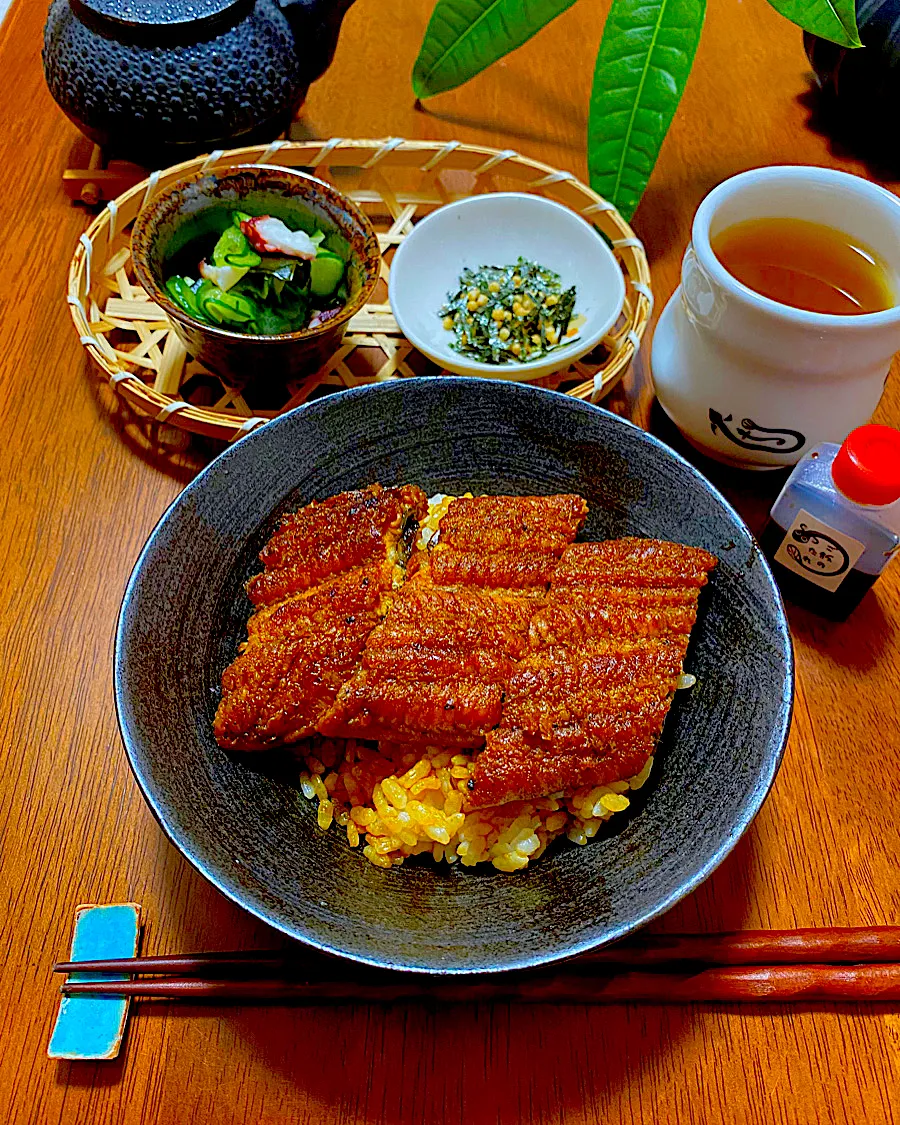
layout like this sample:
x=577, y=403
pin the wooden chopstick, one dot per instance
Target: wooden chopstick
x=188, y=964
x=826, y=945
x=771, y=984
x=851, y=945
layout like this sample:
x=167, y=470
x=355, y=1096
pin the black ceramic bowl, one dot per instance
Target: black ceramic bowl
x=249, y=830
x=202, y=205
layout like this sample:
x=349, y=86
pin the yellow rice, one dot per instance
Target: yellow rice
x=411, y=804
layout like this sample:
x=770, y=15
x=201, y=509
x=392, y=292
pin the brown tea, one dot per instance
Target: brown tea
x=806, y=265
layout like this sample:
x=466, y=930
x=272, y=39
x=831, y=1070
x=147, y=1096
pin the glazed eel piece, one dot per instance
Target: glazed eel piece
x=587, y=704
x=328, y=577
x=435, y=670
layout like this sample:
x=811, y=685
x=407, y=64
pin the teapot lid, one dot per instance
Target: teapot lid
x=157, y=13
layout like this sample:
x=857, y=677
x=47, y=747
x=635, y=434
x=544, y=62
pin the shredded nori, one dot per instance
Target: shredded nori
x=478, y=333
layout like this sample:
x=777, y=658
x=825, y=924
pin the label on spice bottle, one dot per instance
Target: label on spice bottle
x=818, y=552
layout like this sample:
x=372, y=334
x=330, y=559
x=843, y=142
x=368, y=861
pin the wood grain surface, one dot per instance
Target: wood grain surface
x=83, y=483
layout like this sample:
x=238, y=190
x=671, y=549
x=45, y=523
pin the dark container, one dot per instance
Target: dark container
x=185, y=209
x=859, y=88
x=159, y=81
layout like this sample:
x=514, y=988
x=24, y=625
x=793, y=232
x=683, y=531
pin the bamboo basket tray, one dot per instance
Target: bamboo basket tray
x=396, y=182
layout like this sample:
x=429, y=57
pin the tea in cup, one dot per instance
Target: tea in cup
x=782, y=331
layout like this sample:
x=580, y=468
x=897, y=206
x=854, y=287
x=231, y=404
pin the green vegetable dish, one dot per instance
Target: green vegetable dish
x=263, y=278
x=510, y=314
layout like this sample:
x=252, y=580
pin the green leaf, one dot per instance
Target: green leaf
x=643, y=64
x=464, y=37
x=829, y=19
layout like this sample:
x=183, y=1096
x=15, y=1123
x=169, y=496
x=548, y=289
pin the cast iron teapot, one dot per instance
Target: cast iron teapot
x=161, y=80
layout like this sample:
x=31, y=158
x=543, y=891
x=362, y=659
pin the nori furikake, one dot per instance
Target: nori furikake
x=509, y=314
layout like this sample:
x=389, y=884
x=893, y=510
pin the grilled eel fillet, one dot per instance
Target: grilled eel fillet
x=435, y=670
x=327, y=579
x=587, y=704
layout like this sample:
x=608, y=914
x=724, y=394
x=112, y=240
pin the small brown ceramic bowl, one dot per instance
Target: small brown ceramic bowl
x=188, y=209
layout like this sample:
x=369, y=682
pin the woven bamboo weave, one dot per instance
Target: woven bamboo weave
x=396, y=182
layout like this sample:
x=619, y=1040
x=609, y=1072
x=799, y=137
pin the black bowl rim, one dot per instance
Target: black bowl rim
x=162, y=298
x=754, y=800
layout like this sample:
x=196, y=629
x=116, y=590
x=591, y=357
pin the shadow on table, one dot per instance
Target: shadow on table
x=572, y=121
x=500, y=1062
x=855, y=644
x=850, y=137
x=176, y=453
x=516, y=132
x=92, y=1075
x=660, y=219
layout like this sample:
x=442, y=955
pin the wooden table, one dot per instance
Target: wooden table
x=83, y=485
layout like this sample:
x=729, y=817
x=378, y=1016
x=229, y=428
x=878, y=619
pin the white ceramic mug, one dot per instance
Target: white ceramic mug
x=751, y=381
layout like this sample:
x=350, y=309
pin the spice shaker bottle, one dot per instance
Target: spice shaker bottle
x=836, y=522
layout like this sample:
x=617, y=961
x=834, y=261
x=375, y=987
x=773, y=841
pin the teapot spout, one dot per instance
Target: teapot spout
x=315, y=25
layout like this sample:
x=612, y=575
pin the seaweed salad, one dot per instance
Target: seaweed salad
x=263, y=278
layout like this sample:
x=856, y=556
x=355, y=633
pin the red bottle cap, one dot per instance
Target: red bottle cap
x=867, y=466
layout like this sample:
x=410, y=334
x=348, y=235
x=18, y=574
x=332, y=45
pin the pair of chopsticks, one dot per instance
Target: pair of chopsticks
x=746, y=966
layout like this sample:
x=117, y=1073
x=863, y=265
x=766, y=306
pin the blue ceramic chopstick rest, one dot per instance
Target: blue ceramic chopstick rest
x=92, y=1027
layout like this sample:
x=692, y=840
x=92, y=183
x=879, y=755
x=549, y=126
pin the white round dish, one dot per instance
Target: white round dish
x=496, y=229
